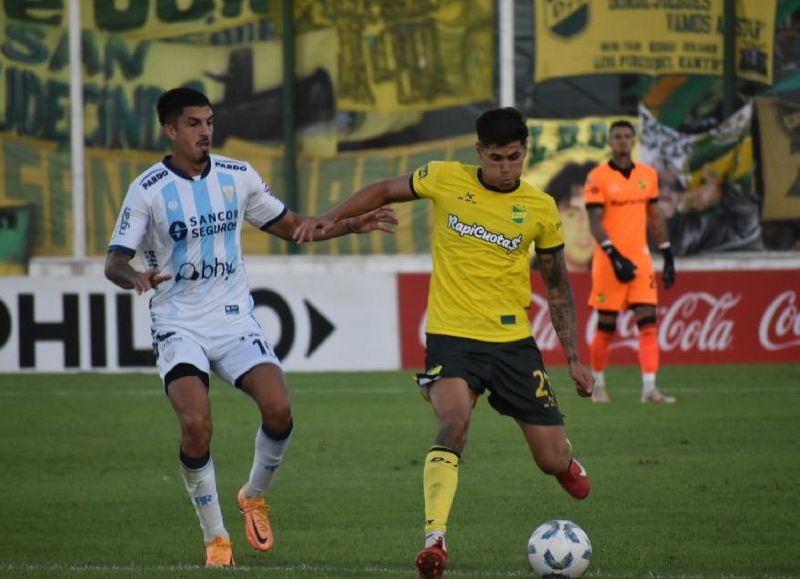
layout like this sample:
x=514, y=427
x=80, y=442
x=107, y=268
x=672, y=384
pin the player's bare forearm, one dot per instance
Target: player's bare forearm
x=657, y=224
x=595, y=213
x=119, y=271
x=560, y=301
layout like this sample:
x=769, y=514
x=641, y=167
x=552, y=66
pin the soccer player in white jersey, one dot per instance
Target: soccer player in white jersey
x=478, y=332
x=185, y=215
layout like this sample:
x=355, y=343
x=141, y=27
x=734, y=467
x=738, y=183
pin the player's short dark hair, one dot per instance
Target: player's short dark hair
x=501, y=127
x=171, y=103
x=622, y=123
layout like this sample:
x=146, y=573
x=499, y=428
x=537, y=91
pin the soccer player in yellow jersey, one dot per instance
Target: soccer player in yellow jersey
x=622, y=202
x=478, y=332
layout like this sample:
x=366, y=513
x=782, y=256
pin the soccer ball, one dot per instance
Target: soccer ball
x=559, y=548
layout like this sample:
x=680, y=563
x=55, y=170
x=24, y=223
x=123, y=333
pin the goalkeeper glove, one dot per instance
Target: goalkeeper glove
x=669, y=264
x=624, y=268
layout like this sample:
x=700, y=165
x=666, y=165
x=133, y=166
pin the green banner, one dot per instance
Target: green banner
x=123, y=78
x=38, y=173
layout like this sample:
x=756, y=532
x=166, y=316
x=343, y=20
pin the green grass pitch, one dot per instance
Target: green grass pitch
x=704, y=488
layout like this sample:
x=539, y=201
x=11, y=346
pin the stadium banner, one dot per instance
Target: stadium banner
x=561, y=152
x=38, y=172
x=651, y=37
x=706, y=185
x=407, y=56
x=123, y=78
x=88, y=324
x=779, y=136
x=144, y=19
x=708, y=317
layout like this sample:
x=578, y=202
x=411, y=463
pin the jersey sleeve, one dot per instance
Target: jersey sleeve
x=262, y=208
x=132, y=223
x=594, y=189
x=425, y=178
x=551, y=234
x=652, y=184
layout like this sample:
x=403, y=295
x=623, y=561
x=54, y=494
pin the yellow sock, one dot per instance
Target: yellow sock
x=440, y=480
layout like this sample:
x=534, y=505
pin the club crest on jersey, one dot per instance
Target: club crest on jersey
x=468, y=198
x=518, y=214
x=642, y=184
x=228, y=191
x=423, y=171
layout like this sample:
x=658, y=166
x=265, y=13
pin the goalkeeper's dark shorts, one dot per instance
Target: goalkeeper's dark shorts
x=512, y=372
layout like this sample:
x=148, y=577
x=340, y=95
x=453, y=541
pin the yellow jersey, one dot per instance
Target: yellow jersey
x=480, y=286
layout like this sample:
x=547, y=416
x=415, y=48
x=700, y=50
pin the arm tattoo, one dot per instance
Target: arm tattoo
x=560, y=301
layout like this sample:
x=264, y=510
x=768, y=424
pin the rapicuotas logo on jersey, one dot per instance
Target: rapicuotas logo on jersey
x=479, y=232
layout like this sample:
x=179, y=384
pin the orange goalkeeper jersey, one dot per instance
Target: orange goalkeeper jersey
x=624, y=201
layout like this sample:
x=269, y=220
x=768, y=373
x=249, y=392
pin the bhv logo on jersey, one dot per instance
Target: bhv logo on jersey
x=191, y=272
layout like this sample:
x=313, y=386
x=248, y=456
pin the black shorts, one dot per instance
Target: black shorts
x=512, y=372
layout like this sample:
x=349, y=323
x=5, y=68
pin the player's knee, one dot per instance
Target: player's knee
x=278, y=417
x=196, y=430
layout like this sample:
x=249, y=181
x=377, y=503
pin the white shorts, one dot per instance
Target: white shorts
x=229, y=349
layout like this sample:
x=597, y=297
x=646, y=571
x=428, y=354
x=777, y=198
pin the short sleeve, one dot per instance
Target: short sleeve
x=593, y=189
x=424, y=179
x=263, y=208
x=551, y=235
x=132, y=223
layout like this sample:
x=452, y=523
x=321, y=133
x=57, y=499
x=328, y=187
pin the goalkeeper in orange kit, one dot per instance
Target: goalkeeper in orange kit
x=622, y=203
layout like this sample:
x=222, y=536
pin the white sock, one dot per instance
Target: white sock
x=599, y=380
x=201, y=484
x=432, y=537
x=648, y=383
x=266, y=460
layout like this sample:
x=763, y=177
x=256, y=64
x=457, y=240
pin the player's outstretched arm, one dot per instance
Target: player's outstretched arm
x=371, y=197
x=119, y=271
x=380, y=219
x=563, y=315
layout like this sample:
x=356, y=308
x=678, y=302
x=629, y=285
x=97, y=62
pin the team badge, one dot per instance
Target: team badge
x=228, y=191
x=642, y=184
x=169, y=353
x=172, y=205
x=518, y=214
x=566, y=19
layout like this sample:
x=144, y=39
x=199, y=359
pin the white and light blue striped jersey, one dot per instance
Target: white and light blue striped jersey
x=191, y=228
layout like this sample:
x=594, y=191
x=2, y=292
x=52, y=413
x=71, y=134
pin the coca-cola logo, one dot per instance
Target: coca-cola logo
x=695, y=321
x=780, y=324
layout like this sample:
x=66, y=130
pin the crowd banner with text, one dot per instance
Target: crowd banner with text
x=123, y=78
x=709, y=317
x=655, y=37
x=144, y=19
x=405, y=56
x=779, y=128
